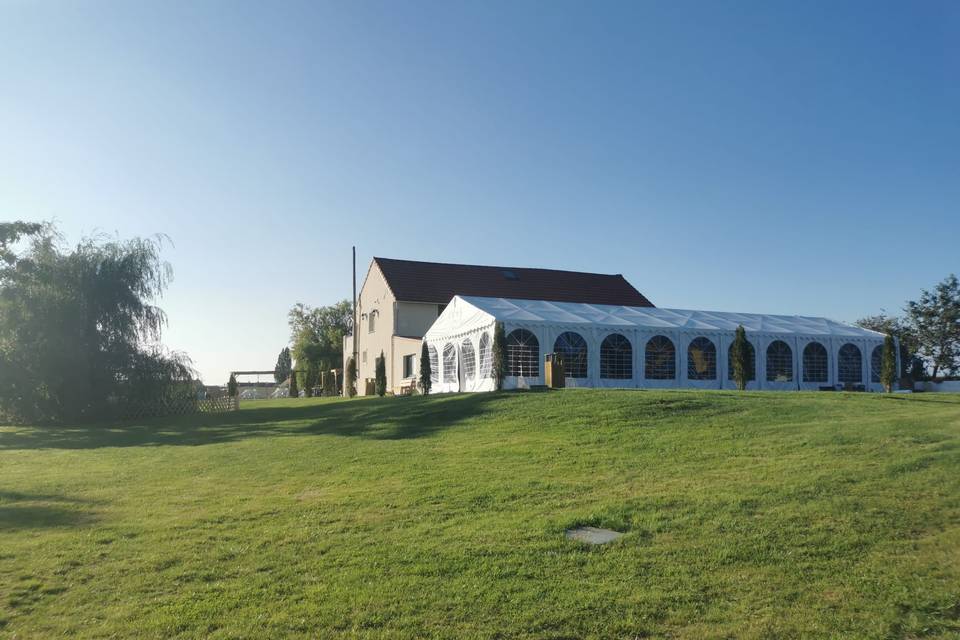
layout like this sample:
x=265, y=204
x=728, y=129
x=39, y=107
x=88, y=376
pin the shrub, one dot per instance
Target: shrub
x=380, y=377
x=888, y=365
x=425, y=373
x=499, y=355
x=739, y=355
x=350, y=382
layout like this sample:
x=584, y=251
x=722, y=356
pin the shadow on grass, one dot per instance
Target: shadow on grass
x=19, y=511
x=375, y=418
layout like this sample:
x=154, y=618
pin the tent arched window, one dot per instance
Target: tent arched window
x=751, y=362
x=876, y=363
x=486, y=356
x=849, y=364
x=449, y=363
x=779, y=362
x=523, y=354
x=616, y=358
x=660, y=359
x=434, y=363
x=469, y=357
x=573, y=349
x=815, y=363
x=701, y=360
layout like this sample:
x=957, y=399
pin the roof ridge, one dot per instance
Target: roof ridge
x=497, y=267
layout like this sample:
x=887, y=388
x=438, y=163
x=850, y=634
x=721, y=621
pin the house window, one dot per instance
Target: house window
x=849, y=364
x=372, y=322
x=616, y=358
x=364, y=358
x=408, y=366
x=573, y=349
x=701, y=360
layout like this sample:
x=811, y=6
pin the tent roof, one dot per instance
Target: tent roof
x=413, y=281
x=471, y=309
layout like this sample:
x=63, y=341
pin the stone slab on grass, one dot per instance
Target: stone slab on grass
x=593, y=535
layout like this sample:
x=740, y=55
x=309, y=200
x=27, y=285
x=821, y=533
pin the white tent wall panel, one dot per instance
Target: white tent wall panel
x=463, y=320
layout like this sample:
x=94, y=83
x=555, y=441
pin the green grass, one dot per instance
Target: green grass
x=755, y=515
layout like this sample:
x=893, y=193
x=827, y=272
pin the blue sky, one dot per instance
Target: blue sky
x=769, y=157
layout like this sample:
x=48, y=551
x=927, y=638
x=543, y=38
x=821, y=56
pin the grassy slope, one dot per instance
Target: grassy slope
x=751, y=515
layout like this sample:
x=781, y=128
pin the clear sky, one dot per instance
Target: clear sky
x=795, y=157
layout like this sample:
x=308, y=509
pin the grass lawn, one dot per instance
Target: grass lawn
x=754, y=515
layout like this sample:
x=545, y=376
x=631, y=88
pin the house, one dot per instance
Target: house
x=401, y=299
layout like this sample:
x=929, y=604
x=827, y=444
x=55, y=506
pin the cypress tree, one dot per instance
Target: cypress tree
x=425, y=372
x=294, y=392
x=739, y=354
x=888, y=366
x=284, y=364
x=350, y=381
x=232, y=386
x=499, y=355
x=380, y=377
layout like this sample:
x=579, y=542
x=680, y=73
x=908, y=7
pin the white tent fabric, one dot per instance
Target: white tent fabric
x=791, y=352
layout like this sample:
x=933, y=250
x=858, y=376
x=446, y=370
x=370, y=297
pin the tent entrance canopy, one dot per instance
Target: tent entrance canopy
x=617, y=346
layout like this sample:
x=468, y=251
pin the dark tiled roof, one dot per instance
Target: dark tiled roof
x=413, y=281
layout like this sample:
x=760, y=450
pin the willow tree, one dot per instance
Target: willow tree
x=80, y=329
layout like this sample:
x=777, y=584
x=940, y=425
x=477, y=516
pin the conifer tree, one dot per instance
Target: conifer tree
x=232, y=386
x=425, y=372
x=284, y=364
x=499, y=355
x=380, y=377
x=888, y=366
x=739, y=355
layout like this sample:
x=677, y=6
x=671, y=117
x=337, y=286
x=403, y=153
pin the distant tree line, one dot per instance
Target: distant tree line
x=79, y=327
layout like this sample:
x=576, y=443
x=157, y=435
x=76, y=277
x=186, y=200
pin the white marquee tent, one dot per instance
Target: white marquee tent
x=614, y=346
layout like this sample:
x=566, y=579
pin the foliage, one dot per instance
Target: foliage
x=740, y=358
x=888, y=366
x=232, y=386
x=316, y=334
x=499, y=370
x=294, y=391
x=935, y=319
x=329, y=379
x=426, y=373
x=767, y=515
x=79, y=330
x=284, y=366
x=901, y=330
x=380, y=376
x=308, y=373
x=350, y=380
